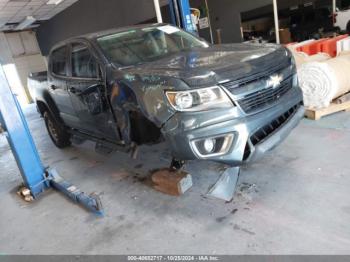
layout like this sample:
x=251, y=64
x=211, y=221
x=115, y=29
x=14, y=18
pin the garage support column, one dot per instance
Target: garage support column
x=158, y=11
x=277, y=29
x=334, y=7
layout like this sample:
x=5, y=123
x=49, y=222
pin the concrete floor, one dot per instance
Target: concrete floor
x=294, y=201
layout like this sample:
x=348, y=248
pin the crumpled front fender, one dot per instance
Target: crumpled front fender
x=145, y=94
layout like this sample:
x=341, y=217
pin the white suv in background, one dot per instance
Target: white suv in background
x=343, y=19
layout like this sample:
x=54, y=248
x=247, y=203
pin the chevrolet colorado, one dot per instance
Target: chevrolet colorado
x=144, y=84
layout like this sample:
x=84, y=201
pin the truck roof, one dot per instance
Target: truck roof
x=98, y=34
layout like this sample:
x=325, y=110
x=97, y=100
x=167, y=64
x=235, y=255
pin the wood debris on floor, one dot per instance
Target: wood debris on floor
x=171, y=182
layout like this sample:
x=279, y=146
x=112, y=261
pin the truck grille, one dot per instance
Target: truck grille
x=259, y=97
x=267, y=130
x=264, y=97
x=263, y=133
x=232, y=85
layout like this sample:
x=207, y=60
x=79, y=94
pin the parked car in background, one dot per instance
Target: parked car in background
x=150, y=83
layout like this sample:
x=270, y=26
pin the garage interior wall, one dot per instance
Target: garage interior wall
x=92, y=15
x=20, y=55
x=226, y=14
x=89, y=16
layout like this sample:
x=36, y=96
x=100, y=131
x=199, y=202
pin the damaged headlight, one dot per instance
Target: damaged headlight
x=199, y=99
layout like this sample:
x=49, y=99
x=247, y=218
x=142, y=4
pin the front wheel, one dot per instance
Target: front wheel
x=59, y=136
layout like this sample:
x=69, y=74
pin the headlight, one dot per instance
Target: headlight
x=199, y=99
x=295, y=80
x=292, y=60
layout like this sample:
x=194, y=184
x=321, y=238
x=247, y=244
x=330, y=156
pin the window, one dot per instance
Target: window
x=84, y=64
x=147, y=44
x=59, y=61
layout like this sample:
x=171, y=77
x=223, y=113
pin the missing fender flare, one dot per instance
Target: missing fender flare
x=142, y=130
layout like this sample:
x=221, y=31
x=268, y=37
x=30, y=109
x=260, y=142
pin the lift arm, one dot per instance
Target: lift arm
x=36, y=178
x=20, y=140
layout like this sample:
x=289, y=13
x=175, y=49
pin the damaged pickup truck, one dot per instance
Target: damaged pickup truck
x=150, y=83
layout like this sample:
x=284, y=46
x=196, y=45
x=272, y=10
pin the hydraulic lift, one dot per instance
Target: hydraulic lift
x=180, y=12
x=37, y=179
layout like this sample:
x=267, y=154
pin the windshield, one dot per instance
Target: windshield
x=147, y=44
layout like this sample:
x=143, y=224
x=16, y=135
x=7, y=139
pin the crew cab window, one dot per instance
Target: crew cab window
x=59, y=61
x=84, y=65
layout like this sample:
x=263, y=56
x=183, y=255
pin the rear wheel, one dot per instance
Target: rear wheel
x=59, y=136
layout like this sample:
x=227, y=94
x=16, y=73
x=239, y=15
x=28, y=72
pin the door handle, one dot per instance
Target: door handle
x=53, y=87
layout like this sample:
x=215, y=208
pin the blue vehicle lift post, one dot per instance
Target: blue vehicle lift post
x=180, y=12
x=37, y=179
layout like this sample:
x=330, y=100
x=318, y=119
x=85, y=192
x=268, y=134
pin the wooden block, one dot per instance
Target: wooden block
x=171, y=182
x=342, y=99
x=309, y=113
x=316, y=114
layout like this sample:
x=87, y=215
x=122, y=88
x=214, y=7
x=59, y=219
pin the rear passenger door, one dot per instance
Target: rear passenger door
x=87, y=91
x=57, y=81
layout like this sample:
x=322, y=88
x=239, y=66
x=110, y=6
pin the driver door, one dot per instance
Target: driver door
x=87, y=92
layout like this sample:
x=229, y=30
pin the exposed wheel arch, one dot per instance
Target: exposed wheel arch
x=42, y=107
x=47, y=104
x=142, y=130
x=59, y=135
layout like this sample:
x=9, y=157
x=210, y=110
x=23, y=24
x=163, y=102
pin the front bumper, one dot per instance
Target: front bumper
x=184, y=128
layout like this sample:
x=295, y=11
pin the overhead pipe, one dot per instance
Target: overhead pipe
x=158, y=11
x=277, y=28
x=210, y=28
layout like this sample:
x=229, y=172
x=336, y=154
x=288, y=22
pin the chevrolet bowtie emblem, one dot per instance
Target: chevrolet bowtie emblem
x=274, y=81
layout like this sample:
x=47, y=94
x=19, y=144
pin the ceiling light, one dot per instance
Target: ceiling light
x=54, y=2
x=29, y=20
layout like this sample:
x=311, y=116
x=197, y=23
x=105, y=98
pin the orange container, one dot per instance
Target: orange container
x=312, y=48
x=301, y=44
x=330, y=46
x=319, y=45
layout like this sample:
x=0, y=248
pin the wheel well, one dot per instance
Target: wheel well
x=348, y=27
x=142, y=130
x=41, y=107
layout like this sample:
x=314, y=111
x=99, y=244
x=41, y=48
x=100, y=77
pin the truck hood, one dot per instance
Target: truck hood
x=215, y=64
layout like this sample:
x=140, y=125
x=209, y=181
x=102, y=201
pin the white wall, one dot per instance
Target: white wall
x=21, y=50
x=88, y=16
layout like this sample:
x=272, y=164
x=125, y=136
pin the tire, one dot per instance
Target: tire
x=337, y=30
x=59, y=136
x=348, y=27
